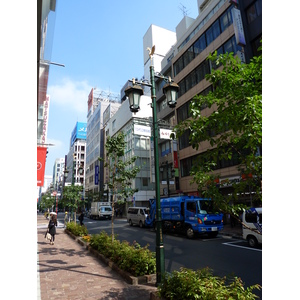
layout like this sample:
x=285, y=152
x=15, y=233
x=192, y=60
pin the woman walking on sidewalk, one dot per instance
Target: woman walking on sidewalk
x=51, y=227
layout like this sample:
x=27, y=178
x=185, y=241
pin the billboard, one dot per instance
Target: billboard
x=142, y=130
x=79, y=132
x=41, y=163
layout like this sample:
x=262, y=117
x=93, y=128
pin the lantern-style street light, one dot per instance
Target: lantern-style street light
x=134, y=93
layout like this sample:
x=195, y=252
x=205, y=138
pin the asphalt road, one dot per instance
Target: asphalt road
x=226, y=256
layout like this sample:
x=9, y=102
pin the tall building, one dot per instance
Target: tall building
x=213, y=30
x=76, y=155
x=98, y=101
x=58, y=175
x=137, y=130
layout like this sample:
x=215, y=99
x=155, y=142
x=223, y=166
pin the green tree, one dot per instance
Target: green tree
x=72, y=197
x=232, y=124
x=47, y=201
x=121, y=172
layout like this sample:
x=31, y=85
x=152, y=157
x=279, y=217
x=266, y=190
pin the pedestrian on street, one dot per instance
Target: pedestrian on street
x=66, y=219
x=81, y=217
x=52, y=228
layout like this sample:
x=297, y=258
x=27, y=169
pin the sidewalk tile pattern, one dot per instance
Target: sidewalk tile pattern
x=68, y=271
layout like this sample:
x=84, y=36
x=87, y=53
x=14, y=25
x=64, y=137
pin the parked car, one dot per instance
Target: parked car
x=253, y=219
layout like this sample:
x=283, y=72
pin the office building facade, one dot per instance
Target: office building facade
x=98, y=101
x=213, y=30
x=76, y=156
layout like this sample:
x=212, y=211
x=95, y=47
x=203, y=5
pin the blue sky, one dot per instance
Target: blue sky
x=101, y=45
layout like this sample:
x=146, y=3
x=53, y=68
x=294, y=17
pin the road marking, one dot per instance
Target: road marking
x=248, y=248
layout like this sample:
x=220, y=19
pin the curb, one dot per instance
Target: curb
x=145, y=279
x=235, y=236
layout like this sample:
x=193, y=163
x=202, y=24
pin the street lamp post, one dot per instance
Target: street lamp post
x=134, y=93
x=66, y=172
x=80, y=171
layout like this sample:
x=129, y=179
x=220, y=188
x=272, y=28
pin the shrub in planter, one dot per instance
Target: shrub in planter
x=133, y=259
x=137, y=260
x=201, y=284
x=77, y=229
x=86, y=238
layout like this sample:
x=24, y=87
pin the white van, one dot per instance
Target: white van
x=253, y=219
x=137, y=215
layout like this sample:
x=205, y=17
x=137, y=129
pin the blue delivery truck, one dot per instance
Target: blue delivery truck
x=186, y=214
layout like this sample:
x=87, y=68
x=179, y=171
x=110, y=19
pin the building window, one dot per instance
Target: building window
x=253, y=12
x=225, y=20
x=216, y=29
x=184, y=140
x=185, y=167
x=209, y=35
x=145, y=181
x=183, y=112
x=181, y=88
x=165, y=148
x=188, y=56
x=178, y=66
x=200, y=45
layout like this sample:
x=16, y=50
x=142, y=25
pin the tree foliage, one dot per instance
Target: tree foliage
x=47, y=201
x=121, y=171
x=229, y=119
x=72, y=197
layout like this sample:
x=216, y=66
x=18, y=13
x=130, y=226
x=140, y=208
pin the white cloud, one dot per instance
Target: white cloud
x=71, y=94
x=56, y=143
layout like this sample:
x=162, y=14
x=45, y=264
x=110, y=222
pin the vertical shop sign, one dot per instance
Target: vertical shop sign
x=96, y=175
x=41, y=162
x=45, y=119
x=238, y=27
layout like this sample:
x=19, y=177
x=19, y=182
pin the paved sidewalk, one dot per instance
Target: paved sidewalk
x=66, y=270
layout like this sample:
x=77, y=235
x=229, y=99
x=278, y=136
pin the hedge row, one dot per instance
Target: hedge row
x=133, y=259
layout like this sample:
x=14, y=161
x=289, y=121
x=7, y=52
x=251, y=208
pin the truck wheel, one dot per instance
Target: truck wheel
x=190, y=232
x=252, y=241
x=130, y=223
x=141, y=224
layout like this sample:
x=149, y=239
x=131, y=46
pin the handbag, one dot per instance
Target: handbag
x=48, y=236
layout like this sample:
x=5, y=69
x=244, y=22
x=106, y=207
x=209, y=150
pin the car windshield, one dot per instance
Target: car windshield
x=205, y=207
x=105, y=209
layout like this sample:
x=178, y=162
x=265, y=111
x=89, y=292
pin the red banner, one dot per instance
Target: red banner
x=175, y=159
x=41, y=163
